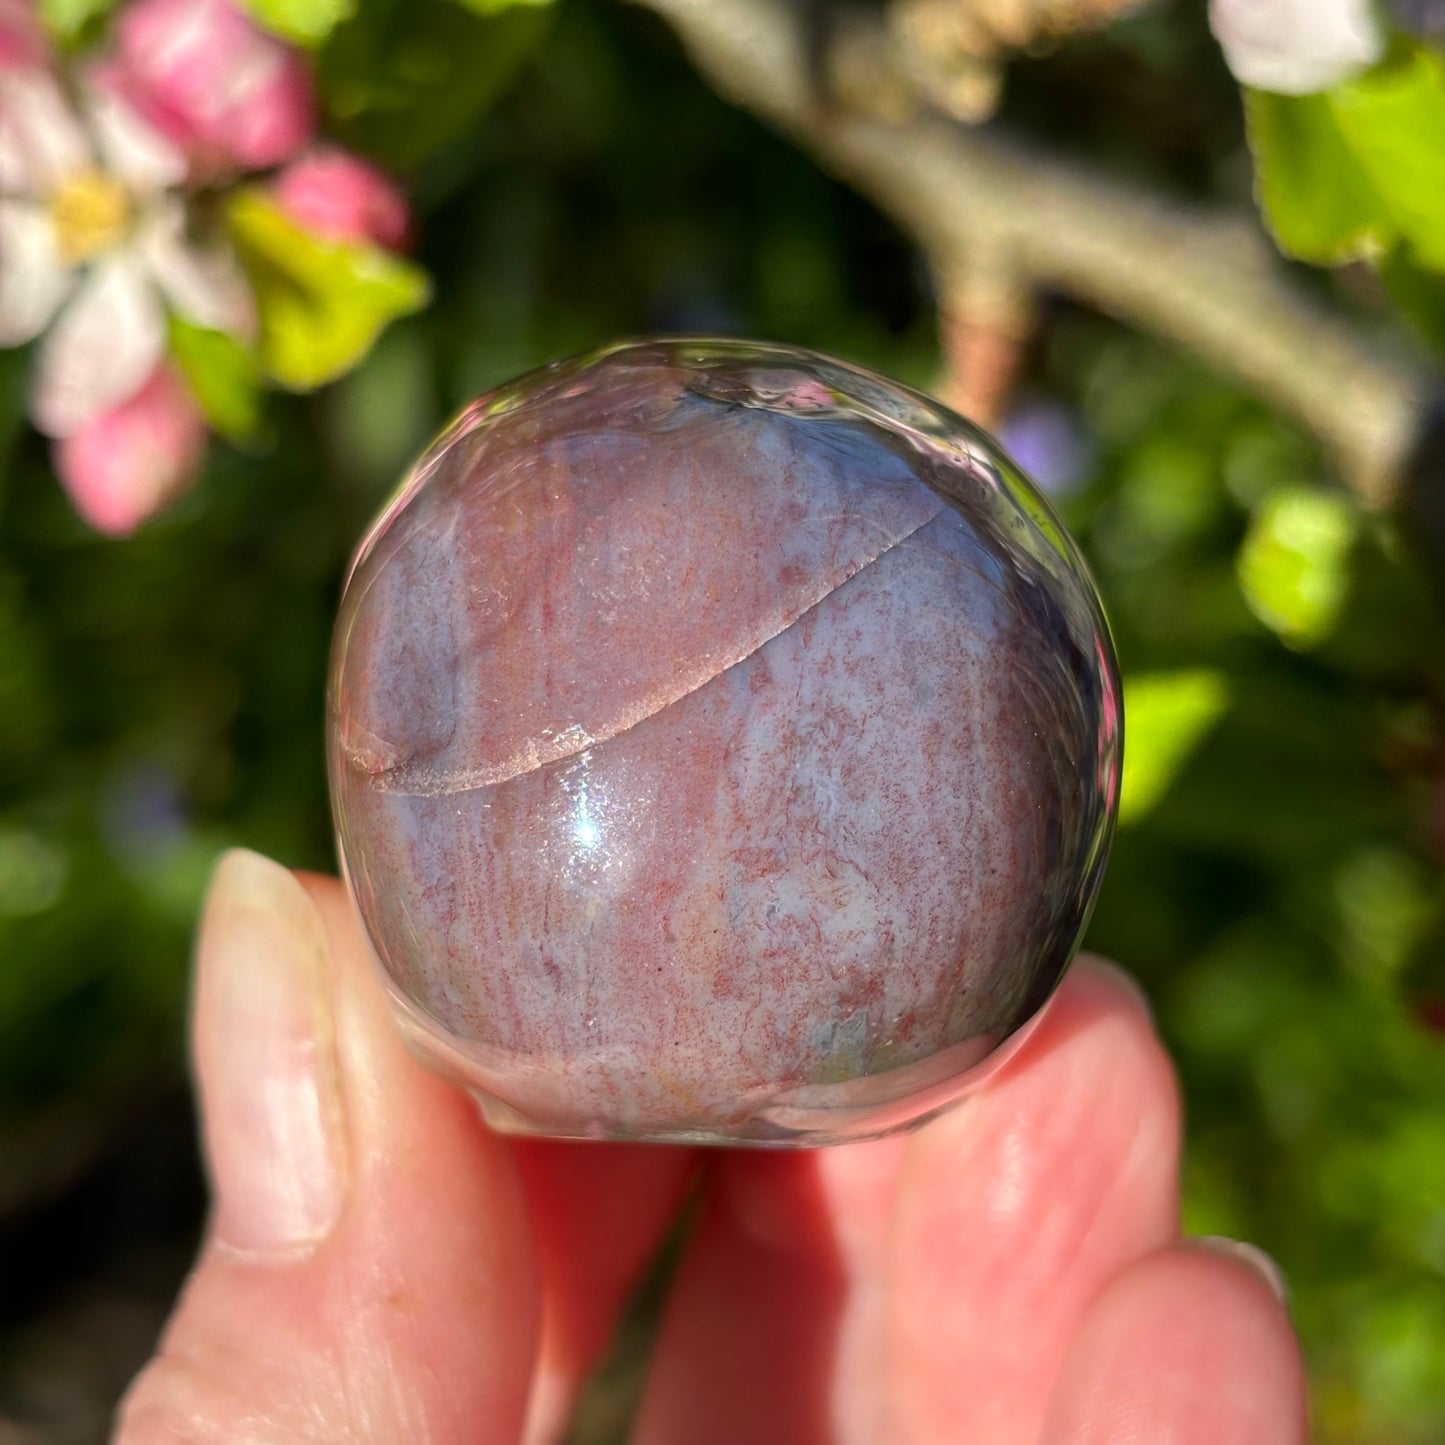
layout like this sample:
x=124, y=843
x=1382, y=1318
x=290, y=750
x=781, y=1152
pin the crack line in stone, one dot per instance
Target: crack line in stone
x=412, y=780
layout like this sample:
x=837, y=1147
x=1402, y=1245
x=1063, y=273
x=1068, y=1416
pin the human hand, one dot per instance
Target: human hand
x=381, y=1269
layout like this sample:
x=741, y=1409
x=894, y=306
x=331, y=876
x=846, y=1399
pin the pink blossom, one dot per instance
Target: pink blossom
x=97, y=246
x=218, y=85
x=338, y=197
x=132, y=459
x=22, y=40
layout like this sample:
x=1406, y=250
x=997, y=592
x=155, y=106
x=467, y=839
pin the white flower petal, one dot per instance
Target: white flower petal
x=33, y=279
x=205, y=284
x=1296, y=47
x=133, y=150
x=41, y=138
x=100, y=352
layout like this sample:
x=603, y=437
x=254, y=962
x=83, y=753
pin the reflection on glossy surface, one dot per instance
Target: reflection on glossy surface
x=724, y=745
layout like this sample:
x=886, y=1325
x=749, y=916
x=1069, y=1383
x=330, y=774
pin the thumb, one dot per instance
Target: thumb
x=368, y=1274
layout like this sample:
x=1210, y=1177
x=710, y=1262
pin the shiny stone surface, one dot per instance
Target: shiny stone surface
x=724, y=746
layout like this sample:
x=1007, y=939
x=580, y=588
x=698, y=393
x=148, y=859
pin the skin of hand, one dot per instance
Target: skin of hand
x=381, y=1268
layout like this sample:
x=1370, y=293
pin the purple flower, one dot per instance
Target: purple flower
x=1045, y=439
x=1425, y=18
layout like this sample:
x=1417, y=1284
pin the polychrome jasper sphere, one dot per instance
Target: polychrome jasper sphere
x=724, y=744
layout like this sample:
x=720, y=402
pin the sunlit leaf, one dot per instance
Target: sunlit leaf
x=1166, y=716
x=1294, y=565
x=1352, y=172
x=322, y=304
x=305, y=22
x=1316, y=197
x=495, y=7
x=223, y=377
x=1393, y=119
x=67, y=18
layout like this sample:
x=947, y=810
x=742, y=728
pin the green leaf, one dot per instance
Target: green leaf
x=1316, y=197
x=14, y=382
x=1393, y=120
x=303, y=22
x=1166, y=715
x=322, y=304
x=1294, y=565
x=32, y=872
x=406, y=77
x=495, y=7
x=1387, y=899
x=67, y=18
x=1419, y=293
x=1350, y=173
x=223, y=377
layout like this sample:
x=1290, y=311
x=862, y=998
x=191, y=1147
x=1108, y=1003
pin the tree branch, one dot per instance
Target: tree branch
x=1206, y=280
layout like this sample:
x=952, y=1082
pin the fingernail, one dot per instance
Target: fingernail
x=266, y=1059
x=1252, y=1256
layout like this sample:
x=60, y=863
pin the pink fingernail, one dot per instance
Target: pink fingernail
x=267, y=1062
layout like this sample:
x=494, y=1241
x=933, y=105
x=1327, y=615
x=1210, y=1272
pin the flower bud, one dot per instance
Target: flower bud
x=134, y=458
x=222, y=88
x=22, y=40
x=1296, y=47
x=338, y=197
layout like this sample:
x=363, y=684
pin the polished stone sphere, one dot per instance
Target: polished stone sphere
x=724, y=746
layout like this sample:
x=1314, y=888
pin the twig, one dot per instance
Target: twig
x=986, y=316
x=1206, y=280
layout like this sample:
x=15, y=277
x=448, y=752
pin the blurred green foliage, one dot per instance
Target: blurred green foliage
x=1356, y=170
x=1273, y=882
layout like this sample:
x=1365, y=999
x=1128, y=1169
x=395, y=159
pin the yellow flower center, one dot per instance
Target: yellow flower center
x=89, y=213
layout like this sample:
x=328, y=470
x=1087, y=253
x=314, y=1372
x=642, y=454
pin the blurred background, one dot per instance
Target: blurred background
x=1277, y=877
